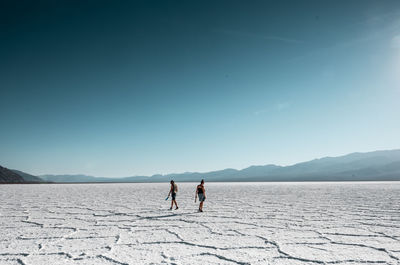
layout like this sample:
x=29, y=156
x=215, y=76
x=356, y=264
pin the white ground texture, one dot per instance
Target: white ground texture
x=242, y=223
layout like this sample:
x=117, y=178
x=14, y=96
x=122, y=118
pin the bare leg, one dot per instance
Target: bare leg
x=201, y=206
x=176, y=205
x=172, y=204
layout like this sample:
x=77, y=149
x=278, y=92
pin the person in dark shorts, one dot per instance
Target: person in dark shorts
x=201, y=193
x=173, y=190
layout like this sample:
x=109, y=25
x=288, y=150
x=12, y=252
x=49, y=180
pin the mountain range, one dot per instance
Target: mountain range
x=377, y=166
x=15, y=176
x=371, y=166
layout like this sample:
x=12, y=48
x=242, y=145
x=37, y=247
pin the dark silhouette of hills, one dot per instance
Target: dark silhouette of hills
x=8, y=176
x=15, y=176
x=378, y=165
x=27, y=177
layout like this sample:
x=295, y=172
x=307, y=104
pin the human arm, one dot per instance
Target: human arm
x=170, y=191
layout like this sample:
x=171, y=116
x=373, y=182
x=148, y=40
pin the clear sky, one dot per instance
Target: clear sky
x=123, y=88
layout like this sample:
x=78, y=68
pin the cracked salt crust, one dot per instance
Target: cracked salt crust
x=242, y=223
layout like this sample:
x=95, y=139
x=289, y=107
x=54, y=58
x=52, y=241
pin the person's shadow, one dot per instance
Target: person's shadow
x=167, y=215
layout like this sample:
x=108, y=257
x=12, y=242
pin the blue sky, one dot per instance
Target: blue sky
x=138, y=88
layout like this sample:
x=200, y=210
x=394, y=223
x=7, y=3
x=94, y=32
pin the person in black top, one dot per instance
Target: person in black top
x=201, y=192
x=172, y=191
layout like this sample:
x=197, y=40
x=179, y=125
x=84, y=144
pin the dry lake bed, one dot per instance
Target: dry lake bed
x=242, y=223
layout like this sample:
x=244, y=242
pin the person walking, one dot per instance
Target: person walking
x=201, y=193
x=172, y=191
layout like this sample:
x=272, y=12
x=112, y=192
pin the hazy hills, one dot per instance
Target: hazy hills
x=27, y=177
x=75, y=178
x=378, y=165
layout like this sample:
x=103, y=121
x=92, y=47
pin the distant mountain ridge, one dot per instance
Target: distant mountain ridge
x=15, y=176
x=377, y=165
x=75, y=178
x=27, y=177
x=8, y=176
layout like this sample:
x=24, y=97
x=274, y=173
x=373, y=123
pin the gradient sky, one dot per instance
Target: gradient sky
x=122, y=88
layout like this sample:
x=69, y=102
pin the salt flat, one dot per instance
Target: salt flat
x=243, y=223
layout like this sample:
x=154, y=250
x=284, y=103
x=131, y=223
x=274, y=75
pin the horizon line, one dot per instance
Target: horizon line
x=197, y=172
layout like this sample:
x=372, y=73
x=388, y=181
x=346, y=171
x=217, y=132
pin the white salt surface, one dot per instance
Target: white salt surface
x=242, y=223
